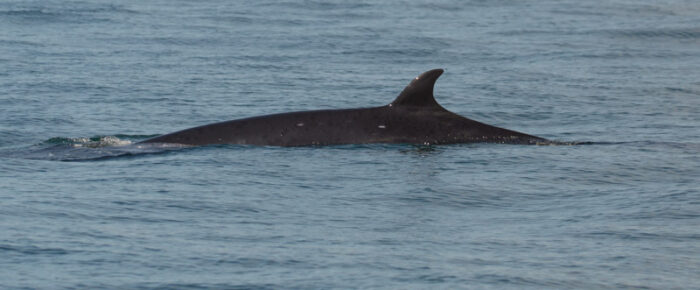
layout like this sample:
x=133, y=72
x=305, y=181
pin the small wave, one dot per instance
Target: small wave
x=672, y=33
x=32, y=250
x=669, y=33
x=89, y=148
x=50, y=10
x=154, y=285
x=96, y=141
x=70, y=14
x=29, y=13
x=563, y=143
x=119, y=146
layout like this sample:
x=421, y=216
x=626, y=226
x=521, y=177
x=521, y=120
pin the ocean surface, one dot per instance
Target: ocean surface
x=83, y=81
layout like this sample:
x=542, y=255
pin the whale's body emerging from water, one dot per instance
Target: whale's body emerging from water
x=414, y=117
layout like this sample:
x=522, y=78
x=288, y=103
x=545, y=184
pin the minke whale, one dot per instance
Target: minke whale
x=414, y=117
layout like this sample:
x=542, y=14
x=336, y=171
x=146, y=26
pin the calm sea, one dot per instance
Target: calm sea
x=83, y=80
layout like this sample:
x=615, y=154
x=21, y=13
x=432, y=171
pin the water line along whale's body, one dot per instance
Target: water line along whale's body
x=414, y=117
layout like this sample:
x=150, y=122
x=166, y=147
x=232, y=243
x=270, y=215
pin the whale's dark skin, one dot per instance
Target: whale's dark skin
x=414, y=117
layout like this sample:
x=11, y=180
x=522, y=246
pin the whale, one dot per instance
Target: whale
x=414, y=117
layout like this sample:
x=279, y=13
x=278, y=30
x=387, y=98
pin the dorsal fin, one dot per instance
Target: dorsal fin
x=420, y=91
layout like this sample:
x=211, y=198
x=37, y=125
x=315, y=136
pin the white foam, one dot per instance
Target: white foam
x=104, y=141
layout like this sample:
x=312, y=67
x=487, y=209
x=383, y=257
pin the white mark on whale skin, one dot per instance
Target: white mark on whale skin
x=300, y=124
x=381, y=126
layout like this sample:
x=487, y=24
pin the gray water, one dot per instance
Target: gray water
x=84, y=80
